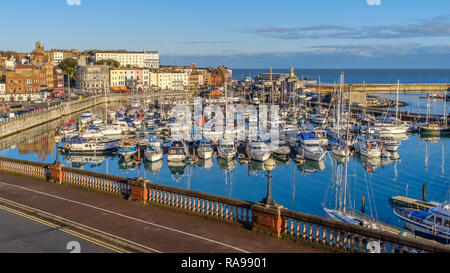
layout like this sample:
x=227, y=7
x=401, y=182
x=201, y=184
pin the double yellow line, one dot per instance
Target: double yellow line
x=66, y=230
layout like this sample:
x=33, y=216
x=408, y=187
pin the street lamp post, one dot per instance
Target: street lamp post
x=57, y=151
x=269, y=165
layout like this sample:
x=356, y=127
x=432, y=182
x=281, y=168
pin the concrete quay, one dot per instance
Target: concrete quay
x=385, y=88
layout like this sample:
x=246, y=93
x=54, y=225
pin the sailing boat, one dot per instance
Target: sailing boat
x=435, y=128
x=342, y=149
x=344, y=213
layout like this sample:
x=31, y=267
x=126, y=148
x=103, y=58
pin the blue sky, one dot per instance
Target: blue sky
x=242, y=34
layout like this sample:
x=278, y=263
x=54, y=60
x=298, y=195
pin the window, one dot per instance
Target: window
x=431, y=218
x=447, y=223
x=438, y=221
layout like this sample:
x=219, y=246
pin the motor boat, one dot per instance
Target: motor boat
x=433, y=224
x=128, y=147
x=368, y=148
x=227, y=149
x=81, y=145
x=388, y=140
x=282, y=151
x=153, y=151
x=204, y=149
x=177, y=151
x=258, y=150
x=308, y=145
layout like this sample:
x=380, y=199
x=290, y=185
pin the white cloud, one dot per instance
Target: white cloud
x=73, y=2
x=373, y=2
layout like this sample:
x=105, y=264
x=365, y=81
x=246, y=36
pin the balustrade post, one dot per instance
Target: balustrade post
x=55, y=174
x=267, y=218
x=138, y=190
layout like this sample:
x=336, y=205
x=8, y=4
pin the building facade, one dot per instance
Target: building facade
x=146, y=59
x=92, y=77
x=25, y=83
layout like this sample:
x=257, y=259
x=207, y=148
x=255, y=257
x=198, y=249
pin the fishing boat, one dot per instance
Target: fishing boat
x=81, y=145
x=227, y=149
x=153, y=151
x=309, y=146
x=128, y=147
x=434, y=129
x=258, y=150
x=433, y=224
x=177, y=151
x=205, y=149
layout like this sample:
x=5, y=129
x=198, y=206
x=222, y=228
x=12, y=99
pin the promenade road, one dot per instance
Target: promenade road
x=151, y=228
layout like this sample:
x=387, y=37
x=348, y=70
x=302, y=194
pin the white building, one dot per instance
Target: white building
x=57, y=57
x=172, y=80
x=2, y=88
x=147, y=59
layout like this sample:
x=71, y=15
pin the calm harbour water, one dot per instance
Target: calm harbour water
x=304, y=188
x=299, y=187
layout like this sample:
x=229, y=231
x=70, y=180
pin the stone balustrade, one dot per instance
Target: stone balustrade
x=272, y=219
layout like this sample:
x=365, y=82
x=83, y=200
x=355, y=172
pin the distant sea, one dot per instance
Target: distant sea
x=358, y=75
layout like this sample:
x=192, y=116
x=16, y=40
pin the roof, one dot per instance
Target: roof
x=308, y=136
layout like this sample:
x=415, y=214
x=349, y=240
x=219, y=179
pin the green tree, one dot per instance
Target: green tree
x=109, y=62
x=68, y=67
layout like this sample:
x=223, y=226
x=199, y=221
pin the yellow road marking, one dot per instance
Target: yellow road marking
x=63, y=229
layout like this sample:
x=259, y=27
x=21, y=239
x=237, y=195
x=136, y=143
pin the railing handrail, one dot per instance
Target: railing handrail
x=364, y=231
x=202, y=195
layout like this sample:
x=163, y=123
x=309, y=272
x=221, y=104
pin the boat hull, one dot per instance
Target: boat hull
x=205, y=154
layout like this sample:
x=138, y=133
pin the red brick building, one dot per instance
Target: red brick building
x=26, y=82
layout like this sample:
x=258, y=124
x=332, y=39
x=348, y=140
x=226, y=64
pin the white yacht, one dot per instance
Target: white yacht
x=205, y=149
x=111, y=129
x=340, y=149
x=368, y=148
x=258, y=150
x=309, y=146
x=388, y=140
x=154, y=151
x=227, y=149
x=86, y=117
x=177, y=151
x=80, y=145
x=283, y=150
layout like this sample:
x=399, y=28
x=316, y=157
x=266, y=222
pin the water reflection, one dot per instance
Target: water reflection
x=127, y=166
x=205, y=163
x=154, y=167
x=176, y=169
x=311, y=166
x=79, y=161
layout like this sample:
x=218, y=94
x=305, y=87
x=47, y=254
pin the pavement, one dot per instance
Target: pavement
x=137, y=227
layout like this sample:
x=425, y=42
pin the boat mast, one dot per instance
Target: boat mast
x=349, y=115
x=345, y=186
x=396, y=103
x=445, y=108
x=428, y=107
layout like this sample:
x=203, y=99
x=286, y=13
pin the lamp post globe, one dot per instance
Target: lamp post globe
x=269, y=165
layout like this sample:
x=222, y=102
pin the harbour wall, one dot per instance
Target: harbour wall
x=385, y=88
x=30, y=120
